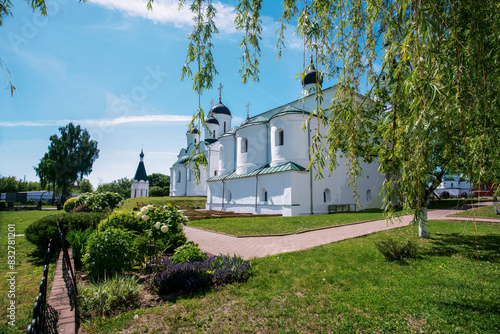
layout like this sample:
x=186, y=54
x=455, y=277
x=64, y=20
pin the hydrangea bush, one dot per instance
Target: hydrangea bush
x=164, y=223
x=97, y=201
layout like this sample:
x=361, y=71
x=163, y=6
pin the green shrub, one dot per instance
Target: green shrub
x=70, y=204
x=109, y=252
x=164, y=223
x=31, y=201
x=41, y=231
x=3, y=204
x=189, y=252
x=109, y=297
x=97, y=201
x=394, y=251
x=78, y=241
x=124, y=220
x=10, y=204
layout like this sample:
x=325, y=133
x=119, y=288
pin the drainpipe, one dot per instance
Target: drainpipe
x=222, y=208
x=311, y=170
x=256, y=192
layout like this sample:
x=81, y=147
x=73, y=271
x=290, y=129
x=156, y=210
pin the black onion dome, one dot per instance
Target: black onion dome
x=193, y=130
x=212, y=120
x=312, y=75
x=219, y=108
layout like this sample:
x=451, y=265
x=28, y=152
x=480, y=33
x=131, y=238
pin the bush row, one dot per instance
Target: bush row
x=41, y=231
x=202, y=275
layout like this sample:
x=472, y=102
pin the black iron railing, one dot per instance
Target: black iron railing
x=37, y=324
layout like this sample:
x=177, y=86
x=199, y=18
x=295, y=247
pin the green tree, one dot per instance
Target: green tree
x=85, y=186
x=159, y=184
x=432, y=67
x=8, y=184
x=69, y=158
x=121, y=186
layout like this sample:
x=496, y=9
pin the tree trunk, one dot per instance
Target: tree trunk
x=423, y=228
x=495, y=205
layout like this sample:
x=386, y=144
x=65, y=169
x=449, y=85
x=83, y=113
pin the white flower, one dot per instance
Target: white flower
x=139, y=214
x=158, y=225
x=164, y=228
x=181, y=226
x=150, y=206
x=145, y=210
x=136, y=317
x=145, y=218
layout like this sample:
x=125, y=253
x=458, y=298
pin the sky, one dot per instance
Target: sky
x=114, y=68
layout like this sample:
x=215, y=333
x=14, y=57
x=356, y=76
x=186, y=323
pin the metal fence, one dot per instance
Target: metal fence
x=39, y=321
x=37, y=324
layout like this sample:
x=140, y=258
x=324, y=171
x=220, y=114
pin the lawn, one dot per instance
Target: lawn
x=348, y=287
x=280, y=225
x=29, y=269
x=189, y=202
x=484, y=211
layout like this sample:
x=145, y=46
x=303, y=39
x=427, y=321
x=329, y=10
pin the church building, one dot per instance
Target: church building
x=140, y=183
x=260, y=165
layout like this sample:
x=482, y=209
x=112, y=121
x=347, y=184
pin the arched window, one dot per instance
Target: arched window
x=244, y=145
x=179, y=177
x=229, y=196
x=263, y=195
x=327, y=196
x=224, y=127
x=215, y=173
x=280, y=138
x=213, y=134
x=369, y=195
x=188, y=174
x=195, y=140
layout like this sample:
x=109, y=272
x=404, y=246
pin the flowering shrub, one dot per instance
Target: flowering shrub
x=195, y=276
x=109, y=252
x=99, y=201
x=124, y=220
x=164, y=223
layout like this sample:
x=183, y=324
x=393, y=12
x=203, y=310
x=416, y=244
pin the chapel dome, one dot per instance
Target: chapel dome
x=193, y=130
x=220, y=108
x=312, y=75
x=212, y=120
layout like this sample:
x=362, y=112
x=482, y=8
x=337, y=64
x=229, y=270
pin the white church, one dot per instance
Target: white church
x=260, y=165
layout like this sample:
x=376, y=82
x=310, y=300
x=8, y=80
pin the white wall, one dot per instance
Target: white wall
x=258, y=146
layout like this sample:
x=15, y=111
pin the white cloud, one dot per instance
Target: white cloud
x=167, y=11
x=102, y=122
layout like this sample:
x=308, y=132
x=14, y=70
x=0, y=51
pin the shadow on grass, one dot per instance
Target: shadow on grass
x=455, y=243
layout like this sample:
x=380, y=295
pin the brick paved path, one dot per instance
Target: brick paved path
x=260, y=246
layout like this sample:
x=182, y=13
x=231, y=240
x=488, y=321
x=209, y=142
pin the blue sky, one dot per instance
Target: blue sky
x=114, y=68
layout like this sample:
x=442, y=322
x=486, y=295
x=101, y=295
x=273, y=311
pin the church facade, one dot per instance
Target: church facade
x=260, y=166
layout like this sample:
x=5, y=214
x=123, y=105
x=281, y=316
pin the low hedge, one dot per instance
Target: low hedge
x=41, y=231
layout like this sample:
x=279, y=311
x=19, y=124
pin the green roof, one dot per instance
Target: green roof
x=289, y=166
x=140, y=174
x=187, y=158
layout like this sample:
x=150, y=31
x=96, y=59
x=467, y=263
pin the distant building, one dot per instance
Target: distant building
x=260, y=166
x=454, y=186
x=140, y=183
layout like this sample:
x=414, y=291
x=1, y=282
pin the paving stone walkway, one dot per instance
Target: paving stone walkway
x=260, y=246
x=61, y=307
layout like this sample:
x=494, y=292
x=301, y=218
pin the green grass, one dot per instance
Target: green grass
x=29, y=269
x=453, y=203
x=280, y=225
x=348, y=287
x=484, y=211
x=190, y=202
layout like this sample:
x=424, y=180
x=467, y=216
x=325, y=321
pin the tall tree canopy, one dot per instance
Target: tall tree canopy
x=69, y=158
x=431, y=66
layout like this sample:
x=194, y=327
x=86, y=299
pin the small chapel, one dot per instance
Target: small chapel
x=140, y=183
x=261, y=165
